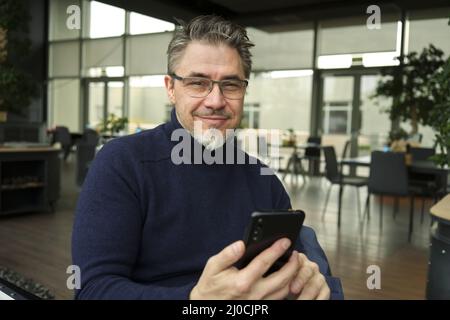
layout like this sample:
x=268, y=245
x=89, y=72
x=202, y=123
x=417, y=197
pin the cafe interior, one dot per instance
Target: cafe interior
x=348, y=102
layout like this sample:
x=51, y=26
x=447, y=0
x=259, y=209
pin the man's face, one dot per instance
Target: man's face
x=216, y=62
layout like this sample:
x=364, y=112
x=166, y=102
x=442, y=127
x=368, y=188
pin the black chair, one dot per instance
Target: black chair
x=90, y=136
x=62, y=135
x=312, y=154
x=389, y=177
x=335, y=177
x=427, y=182
x=85, y=154
x=86, y=149
x=346, y=149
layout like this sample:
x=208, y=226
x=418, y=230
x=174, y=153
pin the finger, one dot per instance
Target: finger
x=280, y=294
x=278, y=283
x=324, y=293
x=307, y=270
x=312, y=288
x=262, y=262
x=225, y=258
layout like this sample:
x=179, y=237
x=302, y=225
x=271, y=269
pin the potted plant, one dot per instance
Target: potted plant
x=439, y=87
x=113, y=124
x=17, y=87
x=407, y=85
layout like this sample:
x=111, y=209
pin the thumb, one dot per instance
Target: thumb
x=225, y=258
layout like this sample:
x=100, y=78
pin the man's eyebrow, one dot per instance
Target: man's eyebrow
x=203, y=75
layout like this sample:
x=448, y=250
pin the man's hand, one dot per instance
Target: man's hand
x=221, y=280
x=309, y=283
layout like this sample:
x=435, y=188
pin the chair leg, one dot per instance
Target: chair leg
x=358, y=198
x=411, y=217
x=367, y=208
x=381, y=212
x=423, y=208
x=341, y=190
x=396, y=203
x=287, y=168
x=326, y=202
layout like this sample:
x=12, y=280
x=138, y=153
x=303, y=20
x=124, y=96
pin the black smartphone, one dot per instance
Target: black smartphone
x=265, y=228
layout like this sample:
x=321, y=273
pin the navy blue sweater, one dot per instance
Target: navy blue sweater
x=145, y=227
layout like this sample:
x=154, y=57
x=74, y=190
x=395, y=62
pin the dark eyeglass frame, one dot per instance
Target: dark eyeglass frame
x=211, y=85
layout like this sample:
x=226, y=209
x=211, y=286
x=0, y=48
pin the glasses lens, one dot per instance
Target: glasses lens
x=200, y=87
x=197, y=87
x=233, y=89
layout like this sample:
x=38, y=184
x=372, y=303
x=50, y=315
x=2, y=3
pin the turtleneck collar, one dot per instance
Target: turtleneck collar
x=174, y=124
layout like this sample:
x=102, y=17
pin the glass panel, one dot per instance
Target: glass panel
x=58, y=18
x=281, y=50
x=427, y=27
x=337, y=110
x=338, y=121
x=96, y=104
x=115, y=98
x=375, y=124
x=64, y=59
x=140, y=23
x=146, y=54
x=64, y=97
x=284, y=99
x=102, y=53
x=149, y=105
x=106, y=20
x=351, y=35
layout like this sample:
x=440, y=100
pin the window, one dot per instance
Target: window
x=106, y=20
x=63, y=106
x=144, y=24
x=58, y=18
x=283, y=98
x=250, y=117
x=337, y=117
x=148, y=102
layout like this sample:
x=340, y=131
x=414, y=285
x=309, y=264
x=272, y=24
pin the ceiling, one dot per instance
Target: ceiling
x=268, y=14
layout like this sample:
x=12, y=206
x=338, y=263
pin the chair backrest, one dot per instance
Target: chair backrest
x=388, y=174
x=346, y=149
x=313, y=152
x=90, y=136
x=62, y=135
x=331, y=164
x=85, y=154
x=421, y=153
x=317, y=140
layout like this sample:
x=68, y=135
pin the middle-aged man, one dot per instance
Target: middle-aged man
x=150, y=227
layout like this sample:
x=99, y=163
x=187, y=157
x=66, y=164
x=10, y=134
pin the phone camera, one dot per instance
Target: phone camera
x=257, y=232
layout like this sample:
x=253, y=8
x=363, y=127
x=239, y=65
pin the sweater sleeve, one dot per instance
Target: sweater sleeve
x=108, y=229
x=308, y=244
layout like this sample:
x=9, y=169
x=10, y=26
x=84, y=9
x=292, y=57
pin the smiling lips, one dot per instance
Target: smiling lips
x=213, y=120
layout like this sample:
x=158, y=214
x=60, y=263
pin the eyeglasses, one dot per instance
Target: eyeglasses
x=198, y=87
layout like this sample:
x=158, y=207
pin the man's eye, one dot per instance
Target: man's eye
x=200, y=83
x=231, y=85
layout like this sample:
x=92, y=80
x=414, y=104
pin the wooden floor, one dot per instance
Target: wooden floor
x=38, y=245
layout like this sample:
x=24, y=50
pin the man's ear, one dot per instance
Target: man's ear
x=170, y=87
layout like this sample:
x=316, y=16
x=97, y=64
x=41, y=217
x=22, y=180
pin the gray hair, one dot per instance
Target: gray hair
x=212, y=30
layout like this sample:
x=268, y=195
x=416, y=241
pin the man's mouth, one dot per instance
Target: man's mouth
x=213, y=120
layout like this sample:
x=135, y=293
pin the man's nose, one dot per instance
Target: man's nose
x=215, y=98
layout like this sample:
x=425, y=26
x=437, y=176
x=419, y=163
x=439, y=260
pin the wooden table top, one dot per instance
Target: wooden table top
x=442, y=208
x=9, y=149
